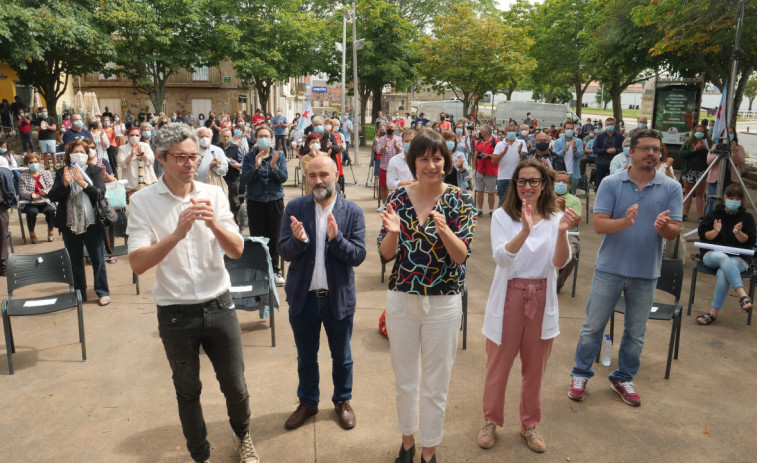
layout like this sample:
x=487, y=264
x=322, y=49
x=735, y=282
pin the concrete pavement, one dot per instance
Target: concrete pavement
x=119, y=405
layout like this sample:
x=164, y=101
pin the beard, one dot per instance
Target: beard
x=323, y=191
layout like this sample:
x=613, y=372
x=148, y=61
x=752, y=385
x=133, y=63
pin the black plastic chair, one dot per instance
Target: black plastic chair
x=670, y=281
x=31, y=269
x=583, y=184
x=10, y=240
x=575, y=270
x=464, y=325
x=251, y=285
x=749, y=274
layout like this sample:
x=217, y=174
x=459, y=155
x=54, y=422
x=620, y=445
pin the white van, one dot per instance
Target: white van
x=432, y=109
x=545, y=114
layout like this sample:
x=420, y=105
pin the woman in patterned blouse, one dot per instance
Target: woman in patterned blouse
x=428, y=228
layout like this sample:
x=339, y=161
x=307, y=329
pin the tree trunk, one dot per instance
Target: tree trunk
x=157, y=93
x=466, y=104
x=363, y=94
x=746, y=73
x=51, y=97
x=509, y=93
x=617, y=107
x=751, y=100
x=376, y=100
x=264, y=91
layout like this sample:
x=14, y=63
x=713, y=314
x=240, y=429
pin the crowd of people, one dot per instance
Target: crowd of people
x=434, y=177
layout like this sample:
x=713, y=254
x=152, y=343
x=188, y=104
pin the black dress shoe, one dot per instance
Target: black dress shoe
x=406, y=456
x=346, y=414
x=303, y=412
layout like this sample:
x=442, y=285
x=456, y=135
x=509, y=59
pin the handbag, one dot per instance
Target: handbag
x=115, y=193
x=104, y=213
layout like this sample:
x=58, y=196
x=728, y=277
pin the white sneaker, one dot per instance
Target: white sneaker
x=381, y=208
x=278, y=279
x=247, y=452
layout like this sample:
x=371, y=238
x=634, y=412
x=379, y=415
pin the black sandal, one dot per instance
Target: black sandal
x=406, y=456
x=745, y=303
x=706, y=319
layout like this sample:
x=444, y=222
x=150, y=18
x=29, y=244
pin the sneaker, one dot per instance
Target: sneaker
x=381, y=208
x=278, y=279
x=534, y=439
x=487, y=435
x=491, y=212
x=480, y=212
x=577, y=389
x=627, y=392
x=247, y=452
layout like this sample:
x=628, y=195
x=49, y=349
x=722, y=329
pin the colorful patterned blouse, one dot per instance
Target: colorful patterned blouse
x=422, y=265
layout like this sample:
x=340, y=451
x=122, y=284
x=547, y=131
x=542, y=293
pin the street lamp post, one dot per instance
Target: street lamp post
x=350, y=15
x=344, y=61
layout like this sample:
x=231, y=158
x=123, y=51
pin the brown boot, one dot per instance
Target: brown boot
x=33, y=237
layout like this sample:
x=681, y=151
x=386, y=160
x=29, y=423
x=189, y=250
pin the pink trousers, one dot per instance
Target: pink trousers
x=521, y=333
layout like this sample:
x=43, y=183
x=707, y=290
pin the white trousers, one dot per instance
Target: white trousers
x=423, y=333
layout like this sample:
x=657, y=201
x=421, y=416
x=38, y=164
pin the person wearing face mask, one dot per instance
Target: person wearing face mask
x=738, y=155
x=606, y=145
x=240, y=140
x=213, y=165
x=213, y=124
x=507, y=154
x=544, y=155
x=589, y=156
x=565, y=200
x=387, y=146
x=729, y=224
x=280, y=124
x=102, y=142
x=641, y=124
x=398, y=172
x=313, y=143
x=24, y=125
x=46, y=127
x=525, y=135
x=135, y=160
x=586, y=129
x=93, y=159
x=77, y=130
x=258, y=118
x=76, y=189
x=34, y=186
x=449, y=140
x=622, y=160
x=234, y=156
x=694, y=154
x=8, y=201
x=571, y=149
x=376, y=158
x=264, y=172
x=323, y=236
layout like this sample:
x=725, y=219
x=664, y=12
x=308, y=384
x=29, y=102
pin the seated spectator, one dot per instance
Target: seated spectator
x=729, y=224
x=398, y=172
x=565, y=200
x=34, y=185
x=622, y=160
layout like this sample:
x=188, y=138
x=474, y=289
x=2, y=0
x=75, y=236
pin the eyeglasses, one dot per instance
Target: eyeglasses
x=182, y=158
x=534, y=182
x=654, y=149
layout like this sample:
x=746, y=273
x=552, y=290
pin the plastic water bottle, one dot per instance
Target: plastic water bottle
x=606, y=350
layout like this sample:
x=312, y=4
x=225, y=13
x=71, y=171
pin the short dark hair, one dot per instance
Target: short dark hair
x=644, y=133
x=428, y=141
x=734, y=190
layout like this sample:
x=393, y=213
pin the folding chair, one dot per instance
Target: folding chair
x=252, y=285
x=750, y=273
x=583, y=184
x=670, y=281
x=31, y=269
x=10, y=240
x=464, y=325
x=575, y=270
x=21, y=206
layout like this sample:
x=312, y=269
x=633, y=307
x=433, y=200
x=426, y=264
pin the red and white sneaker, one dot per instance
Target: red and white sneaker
x=627, y=392
x=577, y=389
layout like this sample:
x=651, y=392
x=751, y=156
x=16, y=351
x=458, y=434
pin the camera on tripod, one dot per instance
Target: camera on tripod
x=722, y=149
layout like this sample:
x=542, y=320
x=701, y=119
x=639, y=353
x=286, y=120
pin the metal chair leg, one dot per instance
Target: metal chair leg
x=273, y=326
x=465, y=316
x=693, y=289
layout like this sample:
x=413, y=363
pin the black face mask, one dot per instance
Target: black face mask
x=383, y=132
x=542, y=146
x=390, y=131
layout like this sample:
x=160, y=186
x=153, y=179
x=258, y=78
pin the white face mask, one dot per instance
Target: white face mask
x=524, y=133
x=327, y=126
x=204, y=142
x=92, y=153
x=79, y=158
x=315, y=146
x=134, y=139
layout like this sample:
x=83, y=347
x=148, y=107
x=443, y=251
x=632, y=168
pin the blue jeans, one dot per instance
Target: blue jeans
x=502, y=186
x=729, y=274
x=606, y=289
x=306, y=327
x=94, y=240
x=214, y=326
x=602, y=172
x=31, y=211
x=712, y=188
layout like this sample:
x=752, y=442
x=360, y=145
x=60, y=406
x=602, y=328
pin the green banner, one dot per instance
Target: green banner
x=675, y=113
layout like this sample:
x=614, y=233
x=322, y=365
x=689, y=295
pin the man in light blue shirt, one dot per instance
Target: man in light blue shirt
x=571, y=149
x=634, y=211
x=347, y=132
x=279, y=125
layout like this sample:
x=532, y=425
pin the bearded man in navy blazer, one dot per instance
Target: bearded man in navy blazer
x=323, y=236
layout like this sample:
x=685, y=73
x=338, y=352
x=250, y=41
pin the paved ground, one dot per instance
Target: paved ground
x=119, y=405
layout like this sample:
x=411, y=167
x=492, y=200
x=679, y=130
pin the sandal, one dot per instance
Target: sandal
x=745, y=303
x=706, y=319
x=105, y=300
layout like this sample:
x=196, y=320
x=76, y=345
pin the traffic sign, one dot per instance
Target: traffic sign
x=320, y=89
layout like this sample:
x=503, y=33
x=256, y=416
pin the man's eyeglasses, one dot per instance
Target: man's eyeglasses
x=654, y=149
x=182, y=158
x=534, y=182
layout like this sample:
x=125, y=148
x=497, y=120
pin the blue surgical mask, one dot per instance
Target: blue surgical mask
x=238, y=133
x=642, y=125
x=3, y=150
x=43, y=114
x=561, y=188
x=511, y=135
x=318, y=129
x=34, y=166
x=78, y=124
x=732, y=204
x=406, y=146
x=263, y=143
x=610, y=128
x=626, y=150
x=146, y=134
x=731, y=136
x=569, y=133
x=562, y=135
x=459, y=131
x=699, y=135
x=450, y=145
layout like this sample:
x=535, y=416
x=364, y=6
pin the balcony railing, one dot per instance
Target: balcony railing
x=206, y=77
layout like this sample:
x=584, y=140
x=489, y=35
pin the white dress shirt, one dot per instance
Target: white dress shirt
x=398, y=171
x=510, y=160
x=193, y=271
x=208, y=154
x=130, y=172
x=319, y=280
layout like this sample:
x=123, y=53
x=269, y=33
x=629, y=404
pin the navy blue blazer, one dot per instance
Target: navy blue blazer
x=345, y=251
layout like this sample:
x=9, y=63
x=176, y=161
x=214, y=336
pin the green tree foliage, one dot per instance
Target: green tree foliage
x=699, y=36
x=49, y=41
x=277, y=40
x=750, y=92
x=448, y=60
x=156, y=38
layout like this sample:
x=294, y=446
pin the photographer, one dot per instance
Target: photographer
x=739, y=157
